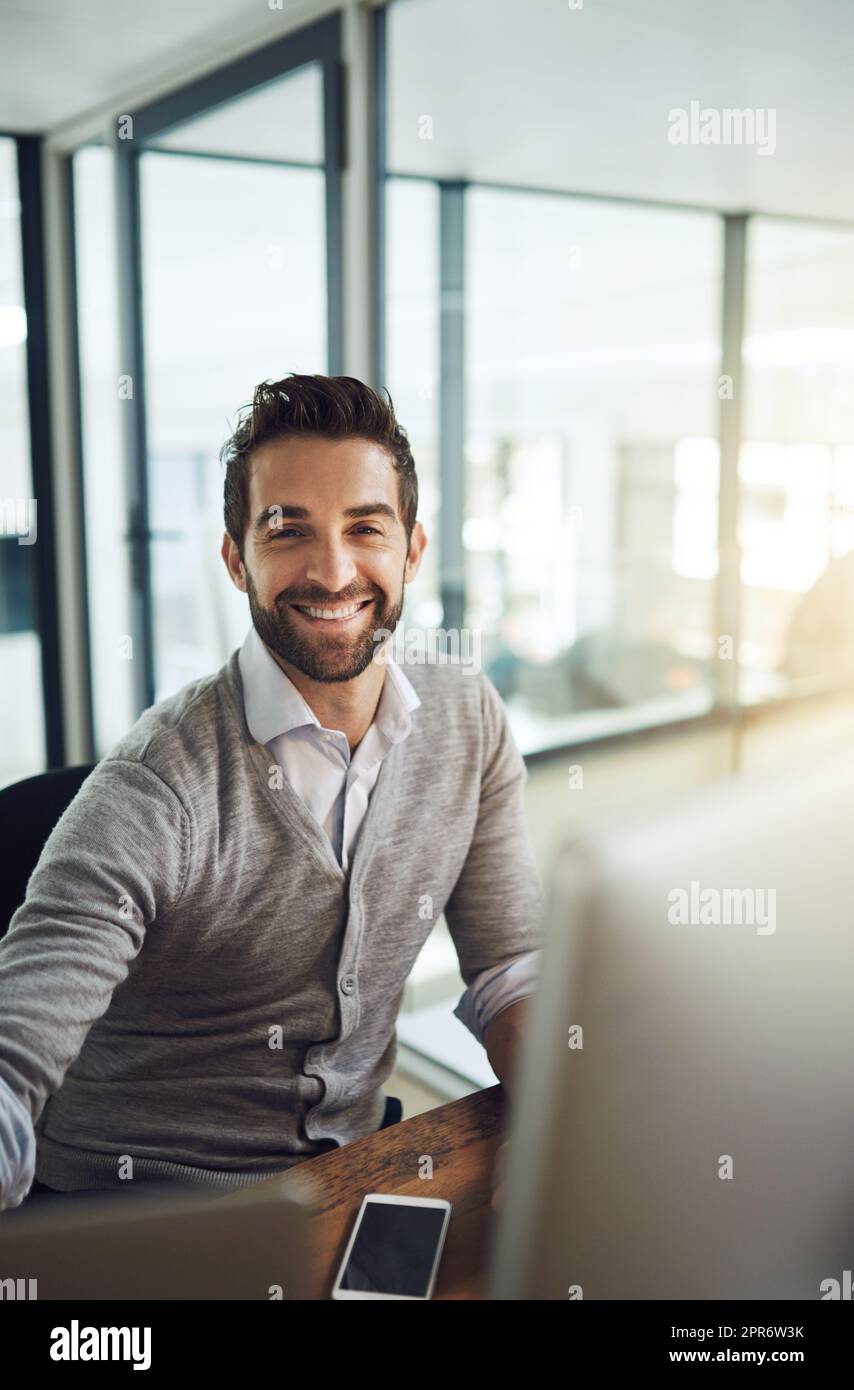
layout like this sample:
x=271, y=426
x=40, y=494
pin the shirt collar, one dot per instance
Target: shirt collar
x=274, y=706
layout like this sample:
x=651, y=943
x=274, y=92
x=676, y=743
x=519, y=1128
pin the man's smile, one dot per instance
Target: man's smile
x=339, y=616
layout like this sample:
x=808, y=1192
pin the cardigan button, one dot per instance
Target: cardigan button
x=348, y=984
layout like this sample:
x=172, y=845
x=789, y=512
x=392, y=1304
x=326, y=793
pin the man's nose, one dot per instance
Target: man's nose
x=330, y=566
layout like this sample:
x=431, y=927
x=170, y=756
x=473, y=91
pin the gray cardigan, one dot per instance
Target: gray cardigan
x=194, y=990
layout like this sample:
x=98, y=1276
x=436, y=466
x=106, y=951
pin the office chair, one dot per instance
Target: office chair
x=393, y=1112
x=29, y=810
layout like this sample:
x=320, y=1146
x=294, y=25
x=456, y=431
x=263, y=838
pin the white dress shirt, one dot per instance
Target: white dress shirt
x=336, y=787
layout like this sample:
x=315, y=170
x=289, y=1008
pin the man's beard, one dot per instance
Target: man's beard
x=336, y=657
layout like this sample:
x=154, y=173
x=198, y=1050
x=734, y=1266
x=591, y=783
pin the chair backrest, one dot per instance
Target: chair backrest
x=29, y=810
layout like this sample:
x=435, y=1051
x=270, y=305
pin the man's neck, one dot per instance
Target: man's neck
x=346, y=705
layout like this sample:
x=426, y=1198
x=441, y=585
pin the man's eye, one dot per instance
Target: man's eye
x=292, y=530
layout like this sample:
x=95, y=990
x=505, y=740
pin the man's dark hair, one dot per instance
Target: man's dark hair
x=333, y=407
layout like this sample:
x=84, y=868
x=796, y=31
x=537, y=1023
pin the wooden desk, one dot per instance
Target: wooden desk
x=461, y=1139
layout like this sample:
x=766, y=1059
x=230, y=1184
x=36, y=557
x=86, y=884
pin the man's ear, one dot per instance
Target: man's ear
x=417, y=546
x=233, y=563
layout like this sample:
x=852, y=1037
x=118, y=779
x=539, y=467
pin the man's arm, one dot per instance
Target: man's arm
x=120, y=851
x=503, y=1042
x=495, y=912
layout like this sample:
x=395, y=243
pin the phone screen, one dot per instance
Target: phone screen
x=394, y=1250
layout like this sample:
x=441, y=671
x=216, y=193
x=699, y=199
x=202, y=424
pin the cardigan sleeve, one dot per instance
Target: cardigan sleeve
x=494, y=913
x=118, y=854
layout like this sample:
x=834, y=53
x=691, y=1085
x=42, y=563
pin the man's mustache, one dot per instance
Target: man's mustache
x=325, y=601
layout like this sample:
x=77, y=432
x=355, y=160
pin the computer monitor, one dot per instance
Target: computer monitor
x=684, y=1127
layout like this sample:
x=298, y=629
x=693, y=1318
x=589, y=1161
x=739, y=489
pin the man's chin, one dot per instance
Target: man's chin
x=329, y=666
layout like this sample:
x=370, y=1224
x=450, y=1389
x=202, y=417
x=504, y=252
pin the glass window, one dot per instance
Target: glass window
x=412, y=364
x=107, y=568
x=591, y=471
x=234, y=292
x=22, y=748
x=796, y=465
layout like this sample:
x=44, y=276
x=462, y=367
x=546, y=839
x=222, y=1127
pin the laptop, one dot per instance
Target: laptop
x=159, y=1244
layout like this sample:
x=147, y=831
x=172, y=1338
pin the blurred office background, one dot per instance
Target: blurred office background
x=626, y=366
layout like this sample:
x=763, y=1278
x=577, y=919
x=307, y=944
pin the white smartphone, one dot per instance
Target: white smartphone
x=394, y=1249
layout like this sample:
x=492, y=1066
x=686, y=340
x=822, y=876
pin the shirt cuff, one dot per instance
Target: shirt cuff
x=495, y=989
x=17, y=1149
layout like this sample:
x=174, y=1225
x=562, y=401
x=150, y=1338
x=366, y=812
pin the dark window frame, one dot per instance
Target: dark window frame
x=28, y=150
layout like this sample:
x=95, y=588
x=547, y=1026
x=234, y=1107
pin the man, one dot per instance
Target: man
x=203, y=981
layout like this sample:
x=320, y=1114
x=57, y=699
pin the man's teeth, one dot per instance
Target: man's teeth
x=329, y=612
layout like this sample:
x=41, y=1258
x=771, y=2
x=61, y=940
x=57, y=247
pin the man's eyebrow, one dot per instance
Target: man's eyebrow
x=373, y=509
x=285, y=510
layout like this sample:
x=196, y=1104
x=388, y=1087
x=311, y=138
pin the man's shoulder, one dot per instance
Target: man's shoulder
x=463, y=714
x=182, y=726
x=439, y=681
x=455, y=697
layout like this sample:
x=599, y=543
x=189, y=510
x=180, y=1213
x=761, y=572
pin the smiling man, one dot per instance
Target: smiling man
x=203, y=981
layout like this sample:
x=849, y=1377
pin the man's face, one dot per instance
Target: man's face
x=324, y=536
